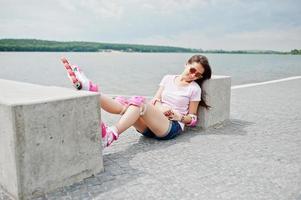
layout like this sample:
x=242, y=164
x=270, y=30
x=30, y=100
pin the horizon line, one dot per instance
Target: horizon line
x=199, y=49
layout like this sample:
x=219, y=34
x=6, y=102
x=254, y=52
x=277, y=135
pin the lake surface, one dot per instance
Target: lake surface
x=140, y=73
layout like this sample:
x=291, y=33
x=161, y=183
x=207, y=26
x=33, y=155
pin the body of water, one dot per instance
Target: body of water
x=140, y=73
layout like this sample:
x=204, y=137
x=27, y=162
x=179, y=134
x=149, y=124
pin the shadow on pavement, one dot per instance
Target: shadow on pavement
x=118, y=170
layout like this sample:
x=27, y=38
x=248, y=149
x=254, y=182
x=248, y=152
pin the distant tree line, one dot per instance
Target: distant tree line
x=296, y=52
x=245, y=52
x=54, y=46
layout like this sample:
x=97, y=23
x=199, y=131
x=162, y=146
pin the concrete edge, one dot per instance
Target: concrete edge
x=82, y=94
x=6, y=193
x=65, y=182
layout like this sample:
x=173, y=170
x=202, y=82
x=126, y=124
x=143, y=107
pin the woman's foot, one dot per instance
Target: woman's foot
x=109, y=135
x=78, y=78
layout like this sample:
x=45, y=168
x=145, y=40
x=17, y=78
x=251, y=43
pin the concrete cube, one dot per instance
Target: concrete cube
x=216, y=92
x=49, y=138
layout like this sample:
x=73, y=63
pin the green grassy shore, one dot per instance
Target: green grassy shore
x=32, y=45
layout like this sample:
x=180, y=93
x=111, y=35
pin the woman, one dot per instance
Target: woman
x=173, y=107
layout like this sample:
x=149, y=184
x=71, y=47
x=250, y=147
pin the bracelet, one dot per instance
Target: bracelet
x=194, y=120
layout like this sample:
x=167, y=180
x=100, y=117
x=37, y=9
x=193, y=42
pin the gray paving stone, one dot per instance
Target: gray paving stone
x=255, y=155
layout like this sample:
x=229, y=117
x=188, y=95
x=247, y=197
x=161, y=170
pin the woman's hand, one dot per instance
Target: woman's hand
x=168, y=113
x=173, y=115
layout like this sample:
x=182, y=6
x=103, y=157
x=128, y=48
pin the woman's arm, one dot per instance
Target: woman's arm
x=156, y=101
x=157, y=96
x=193, y=107
x=190, y=118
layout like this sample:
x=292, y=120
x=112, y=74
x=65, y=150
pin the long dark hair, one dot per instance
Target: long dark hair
x=205, y=76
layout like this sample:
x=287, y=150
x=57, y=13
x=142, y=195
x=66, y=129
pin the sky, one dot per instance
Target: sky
x=201, y=24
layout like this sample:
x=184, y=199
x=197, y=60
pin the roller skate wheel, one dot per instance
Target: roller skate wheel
x=78, y=85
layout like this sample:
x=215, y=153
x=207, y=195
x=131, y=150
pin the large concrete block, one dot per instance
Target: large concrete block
x=49, y=138
x=217, y=92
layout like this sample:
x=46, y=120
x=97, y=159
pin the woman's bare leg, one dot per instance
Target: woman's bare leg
x=152, y=117
x=127, y=120
x=155, y=120
x=140, y=125
x=110, y=105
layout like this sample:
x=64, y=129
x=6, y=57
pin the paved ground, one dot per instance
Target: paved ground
x=256, y=155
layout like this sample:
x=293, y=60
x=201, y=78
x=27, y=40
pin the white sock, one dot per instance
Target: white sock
x=115, y=130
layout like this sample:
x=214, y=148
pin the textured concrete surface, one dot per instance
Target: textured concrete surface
x=49, y=137
x=256, y=155
x=217, y=93
x=8, y=173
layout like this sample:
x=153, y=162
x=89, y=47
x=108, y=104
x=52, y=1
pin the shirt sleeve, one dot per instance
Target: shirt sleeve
x=196, y=94
x=164, y=80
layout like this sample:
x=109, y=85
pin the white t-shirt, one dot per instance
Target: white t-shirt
x=178, y=97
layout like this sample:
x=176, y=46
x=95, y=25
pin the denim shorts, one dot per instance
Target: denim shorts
x=173, y=131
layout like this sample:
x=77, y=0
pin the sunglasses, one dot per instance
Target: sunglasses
x=194, y=71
